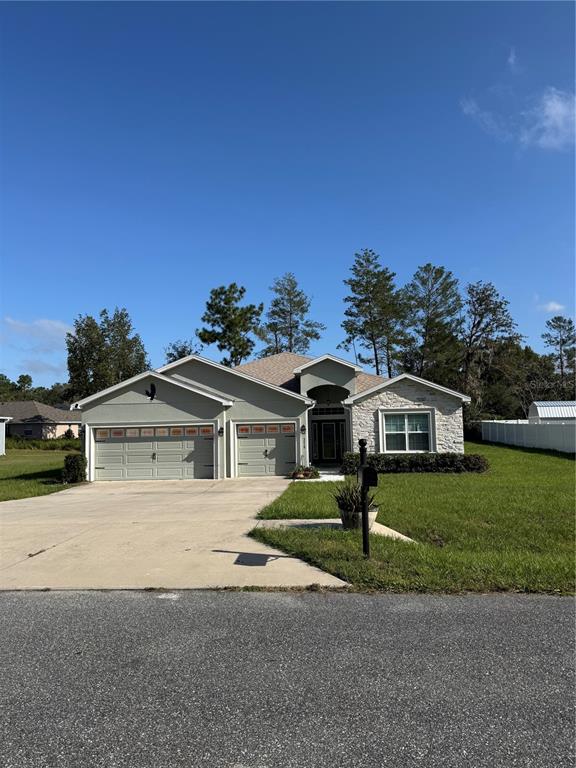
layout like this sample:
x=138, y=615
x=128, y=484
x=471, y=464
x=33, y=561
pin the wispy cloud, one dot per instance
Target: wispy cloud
x=37, y=347
x=551, y=306
x=488, y=121
x=512, y=61
x=36, y=365
x=38, y=336
x=551, y=124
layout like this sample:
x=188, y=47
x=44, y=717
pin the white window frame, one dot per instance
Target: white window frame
x=429, y=412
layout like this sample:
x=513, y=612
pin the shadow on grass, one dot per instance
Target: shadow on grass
x=47, y=476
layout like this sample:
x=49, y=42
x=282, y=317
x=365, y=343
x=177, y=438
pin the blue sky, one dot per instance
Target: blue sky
x=153, y=151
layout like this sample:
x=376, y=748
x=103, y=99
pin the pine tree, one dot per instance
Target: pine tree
x=180, y=348
x=287, y=327
x=434, y=308
x=375, y=314
x=230, y=325
x=561, y=338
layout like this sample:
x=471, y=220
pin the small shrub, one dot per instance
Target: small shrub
x=385, y=463
x=348, y=497
x=305, y=473
x=68, y=435
x=74, y=468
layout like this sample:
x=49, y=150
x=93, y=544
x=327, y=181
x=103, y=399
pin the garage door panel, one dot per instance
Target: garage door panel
x=164, y=458
x=272, y=453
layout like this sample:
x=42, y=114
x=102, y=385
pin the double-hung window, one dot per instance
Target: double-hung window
x=408, y=432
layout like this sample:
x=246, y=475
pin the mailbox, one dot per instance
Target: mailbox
x=368, y=477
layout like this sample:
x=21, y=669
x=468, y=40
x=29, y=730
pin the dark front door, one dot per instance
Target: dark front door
x=328, y=442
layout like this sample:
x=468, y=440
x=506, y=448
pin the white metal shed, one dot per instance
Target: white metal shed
x=544, y=412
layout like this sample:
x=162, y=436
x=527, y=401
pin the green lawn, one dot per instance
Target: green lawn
x=30, y=473
x=511, y=528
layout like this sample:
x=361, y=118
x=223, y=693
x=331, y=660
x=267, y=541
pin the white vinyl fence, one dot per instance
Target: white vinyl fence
x=553, y=437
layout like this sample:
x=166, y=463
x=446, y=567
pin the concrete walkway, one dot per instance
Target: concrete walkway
x=332, y=522
x=134, y=535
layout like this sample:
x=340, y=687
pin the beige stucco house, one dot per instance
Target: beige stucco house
x=38, y=421
x=195, y=418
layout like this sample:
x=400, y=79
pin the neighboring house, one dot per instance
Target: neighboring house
x=195, y=418
x=552, y=411
x=38, y=421
x=3, y=420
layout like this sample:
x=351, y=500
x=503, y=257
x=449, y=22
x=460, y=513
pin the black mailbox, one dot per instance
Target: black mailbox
x=368, y=477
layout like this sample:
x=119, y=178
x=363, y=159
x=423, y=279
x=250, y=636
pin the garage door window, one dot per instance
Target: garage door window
x=147, y=432
x=117, y=432
x=102, y=434
x=162, y=432
x=176, y=431
x=132, y=432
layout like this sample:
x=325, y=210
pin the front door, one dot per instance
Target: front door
x=328, y=442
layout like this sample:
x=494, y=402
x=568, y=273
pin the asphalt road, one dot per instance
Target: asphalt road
x=263, y=680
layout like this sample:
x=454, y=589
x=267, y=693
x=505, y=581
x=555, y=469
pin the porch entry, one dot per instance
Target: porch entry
x=328, y=441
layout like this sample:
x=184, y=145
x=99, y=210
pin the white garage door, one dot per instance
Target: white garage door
x=266, y=449
x=155, y=453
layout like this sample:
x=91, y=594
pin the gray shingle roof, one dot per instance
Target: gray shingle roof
x=278, y=369
x=25, y=411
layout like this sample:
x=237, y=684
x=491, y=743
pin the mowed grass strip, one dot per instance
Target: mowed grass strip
x=30, y=473
x=511, y=528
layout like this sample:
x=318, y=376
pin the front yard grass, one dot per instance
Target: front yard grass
x=30, y=473
x=511, y=528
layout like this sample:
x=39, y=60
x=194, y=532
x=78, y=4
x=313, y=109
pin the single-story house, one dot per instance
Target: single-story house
x=194, y=418
x=38, y=421
x=3, y=420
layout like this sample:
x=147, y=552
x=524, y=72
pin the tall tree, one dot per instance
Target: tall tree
x=229, y=325
x=180, y=348
x=375, y=313
x=434, y=308
x=487, y=322
x=287, y=327
x=561, y=338
x=103, y=353
x=24, y=384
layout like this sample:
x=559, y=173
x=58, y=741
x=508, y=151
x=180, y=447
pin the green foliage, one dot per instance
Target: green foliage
x=434, y=310
x=385, y=463
x=103, y=353
x=287, y=327
x=348, y=496
x=511, y=528
x=56, y=444
x=230, y=325
x=180, y=348
x=375, y=313
x=74, y=468
x=57, y=395
x=30, y=473
x=560, y=336
x=305, y=473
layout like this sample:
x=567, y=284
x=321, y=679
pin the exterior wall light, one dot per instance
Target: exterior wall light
x=303, y=429
x=221, y=432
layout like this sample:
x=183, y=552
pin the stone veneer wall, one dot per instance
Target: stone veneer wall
x=447, y=415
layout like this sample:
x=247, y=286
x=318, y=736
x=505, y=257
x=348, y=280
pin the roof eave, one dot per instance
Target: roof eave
x=438, y=387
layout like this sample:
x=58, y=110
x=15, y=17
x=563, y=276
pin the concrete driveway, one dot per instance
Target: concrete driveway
x=134, y=535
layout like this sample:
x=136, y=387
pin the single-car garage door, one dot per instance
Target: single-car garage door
x=154, y=453
x=266, y=449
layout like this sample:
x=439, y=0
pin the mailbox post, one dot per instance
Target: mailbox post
x=367, y=477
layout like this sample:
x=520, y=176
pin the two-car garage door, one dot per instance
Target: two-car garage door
x=154, y=453
x=266, y=449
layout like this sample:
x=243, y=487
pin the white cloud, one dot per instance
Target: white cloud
x=512, y=61
x=39, y=335
x=551, y=306
x=552, y=122
x=34, y=365
x=488, y=121
x=549, y=125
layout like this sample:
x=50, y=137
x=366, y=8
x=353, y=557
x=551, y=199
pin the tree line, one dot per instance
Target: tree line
x=462, y=337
